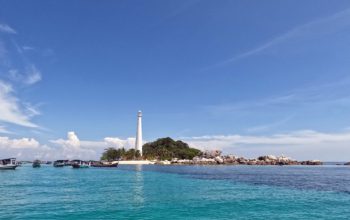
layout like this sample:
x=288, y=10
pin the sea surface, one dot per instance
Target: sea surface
x=176, y=192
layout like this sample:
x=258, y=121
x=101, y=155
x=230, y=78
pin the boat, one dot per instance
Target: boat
x=36, y=164
x=79, y=164
x=101, y=164
x=8, y=164
x=59, y=163
x=68, y=163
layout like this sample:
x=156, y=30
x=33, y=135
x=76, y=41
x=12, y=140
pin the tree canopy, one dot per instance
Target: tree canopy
x=161, y=149
x=167, y=148
x=112, y=154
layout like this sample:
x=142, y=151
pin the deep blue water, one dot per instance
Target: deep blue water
x=176, y=192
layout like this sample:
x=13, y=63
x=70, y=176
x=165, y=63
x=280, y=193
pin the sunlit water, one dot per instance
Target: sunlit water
x=176, y=192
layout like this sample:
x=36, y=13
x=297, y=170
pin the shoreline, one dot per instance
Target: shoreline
x=136, y=162
x=160, y=163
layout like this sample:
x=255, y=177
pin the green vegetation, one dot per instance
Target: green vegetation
x=112, y=154
x=161, y=149
x=167, y=148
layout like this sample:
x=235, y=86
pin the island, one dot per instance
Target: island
x=166, y=151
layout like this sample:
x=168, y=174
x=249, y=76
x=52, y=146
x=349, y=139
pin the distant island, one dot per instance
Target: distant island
x=168, y=151
x=161, y=149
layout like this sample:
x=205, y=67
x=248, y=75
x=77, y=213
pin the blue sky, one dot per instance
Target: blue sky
x=275, y=74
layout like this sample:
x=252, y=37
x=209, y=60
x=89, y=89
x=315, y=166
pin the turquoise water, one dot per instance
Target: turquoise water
x=176, y=192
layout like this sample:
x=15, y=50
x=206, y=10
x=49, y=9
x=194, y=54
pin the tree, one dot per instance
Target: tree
x=111, y=154
x=167, y=148
x=137, y=155
x=130, y=154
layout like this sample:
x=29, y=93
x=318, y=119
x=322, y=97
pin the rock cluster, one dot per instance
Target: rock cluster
x=214, y=158
x=311, y=162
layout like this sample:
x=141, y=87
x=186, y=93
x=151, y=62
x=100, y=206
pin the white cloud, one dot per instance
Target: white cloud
x=301, y=145
x=20, y=71
x=73, y=147
x=118, y=143
x=7, y=29
x=24, y=148
x=72, y=140
x=11, y=109
x=305, y=144
x=70, y=148
x=23, y=143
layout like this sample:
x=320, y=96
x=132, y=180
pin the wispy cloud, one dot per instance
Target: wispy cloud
x=11, y=110
x=328, y=93
x=31, y=75
x=304, y=144
x=3, y=130
x=17, y=70
x=267, y=127
x=27, y=48
x=7, y=29
x=318, y=27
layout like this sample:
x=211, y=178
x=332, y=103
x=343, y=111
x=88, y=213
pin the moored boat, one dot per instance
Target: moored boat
x=8, y=164
x=59, y=163
x=36, y=164
x=79, y=164
x=101, y=164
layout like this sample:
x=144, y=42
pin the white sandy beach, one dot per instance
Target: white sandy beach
x=136, y=162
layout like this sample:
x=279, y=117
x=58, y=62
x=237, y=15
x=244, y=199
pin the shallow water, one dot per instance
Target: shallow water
x=176, y=192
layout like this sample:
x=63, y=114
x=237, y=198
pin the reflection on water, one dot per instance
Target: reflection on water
x=138, y=191
x=138, y=167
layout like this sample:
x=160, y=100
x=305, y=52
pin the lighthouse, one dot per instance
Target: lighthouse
x=138, y=143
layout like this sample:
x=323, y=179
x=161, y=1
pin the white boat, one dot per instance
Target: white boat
x=8, y=164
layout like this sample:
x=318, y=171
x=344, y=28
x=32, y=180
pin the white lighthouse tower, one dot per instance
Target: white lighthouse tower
x=138, y=144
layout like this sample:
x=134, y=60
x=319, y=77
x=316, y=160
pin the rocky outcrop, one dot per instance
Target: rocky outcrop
x=311, y=162
x=219, y=160
x=163, y=162
x=347, y=164
x=234, y=160
x=211, y=154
